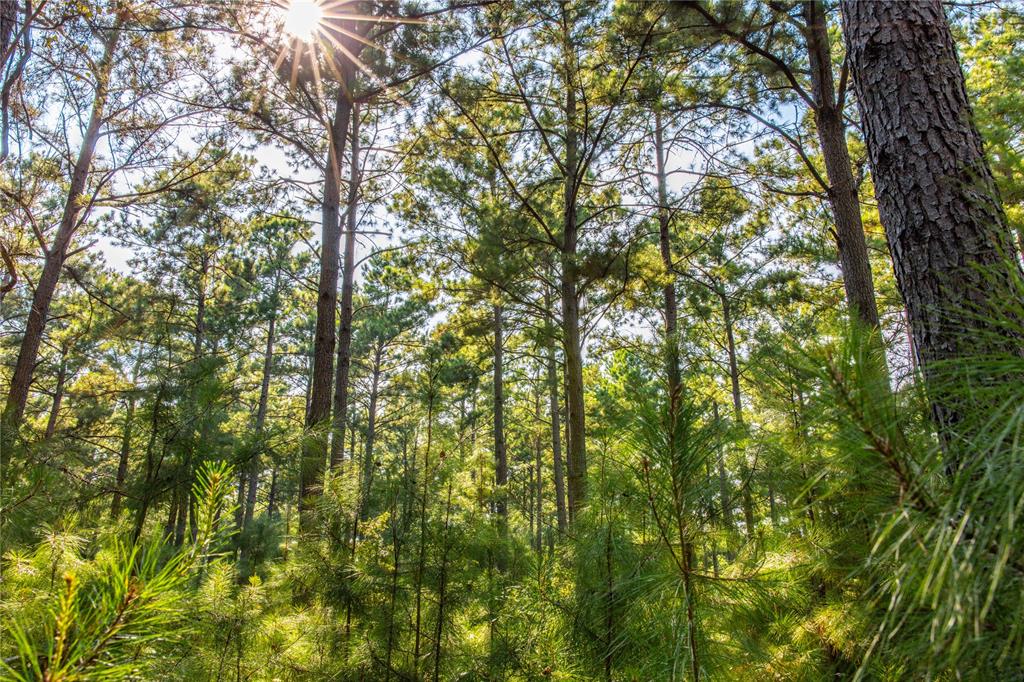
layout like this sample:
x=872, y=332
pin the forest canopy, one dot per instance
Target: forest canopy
x=511, y=340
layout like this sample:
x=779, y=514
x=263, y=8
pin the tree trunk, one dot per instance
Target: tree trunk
x=54, y=257
x=737, y=406
x=442, y=588
x=842, y=191
x=538, y=465
x=665, y=245
x=951, y=246
x=575, y=417
x=500, y=454
x=58, y=393
x=314, y=447
x=421, y=561
x=556, y=429
x=371, y=435
x=347, y=286
x=724, y=489
x=199, y=332
x=126, y=440
x=261, y=420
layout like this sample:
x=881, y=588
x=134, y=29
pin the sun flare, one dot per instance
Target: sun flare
x=302, y=19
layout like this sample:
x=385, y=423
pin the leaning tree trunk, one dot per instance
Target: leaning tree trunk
x=54, y=257
x=314, y=447
x=951, y=247
x=347, y=285
x=842, y=191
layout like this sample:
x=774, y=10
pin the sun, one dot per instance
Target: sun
x=303, y=19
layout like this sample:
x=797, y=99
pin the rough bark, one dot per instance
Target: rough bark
x=950, y=243
x=341, y=384
x=55, y=255
x=842, y=191
x=314, y=447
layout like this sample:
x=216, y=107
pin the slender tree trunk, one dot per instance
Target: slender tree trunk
x=422, y=559
x=950, y=243
x=261, y=420
x=575, y=417
x=272, y=494
x=538, y=465
x=169, y=526
x=842, y=191
x=500, y=455
x=126, y=445
x=199, y=323
x=58, y=394
x=665, y=245
x=314, y=447
x=152, y=467
x=575, y=413
x=54, y=257
x=556, y=430
x=442, y=588
x=724, y=489
x=181, y=508
x=347, y=287
x=737, y=406
x=371, y=435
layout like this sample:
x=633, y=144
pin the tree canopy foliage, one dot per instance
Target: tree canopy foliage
x=511, y=340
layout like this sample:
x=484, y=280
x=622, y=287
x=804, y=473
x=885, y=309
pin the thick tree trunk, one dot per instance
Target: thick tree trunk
x=842, y=192
x=951, y=246
x=314, y=447
x=347, y=287
x=54, y=257
x=500, y=454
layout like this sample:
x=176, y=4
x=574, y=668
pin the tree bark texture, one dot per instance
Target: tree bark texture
x=950, y=243
x=314, y=447
x=341, y=383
